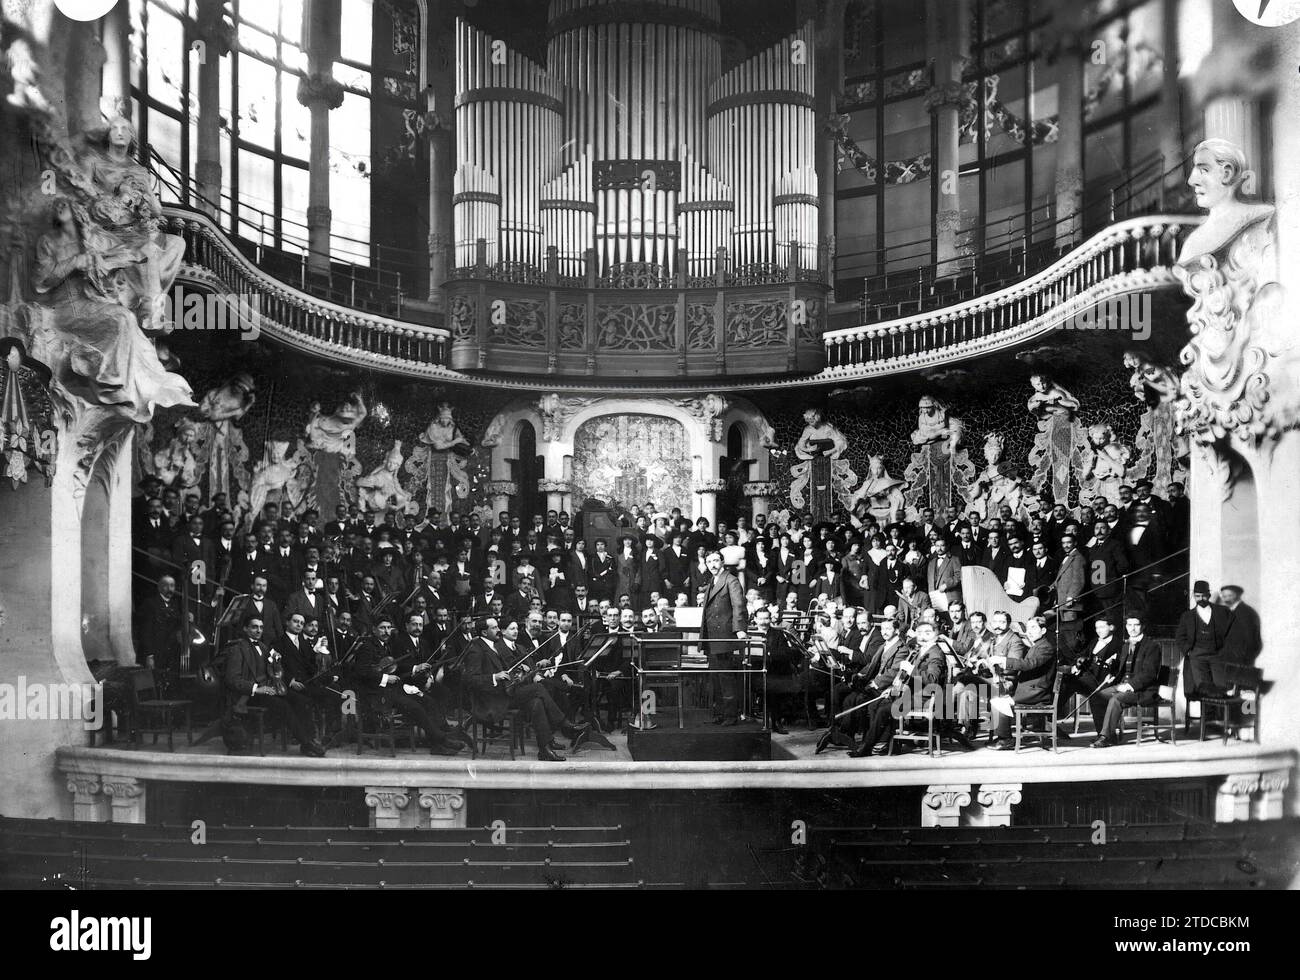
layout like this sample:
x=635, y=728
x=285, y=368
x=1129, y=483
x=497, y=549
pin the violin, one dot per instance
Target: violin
x=275, y=667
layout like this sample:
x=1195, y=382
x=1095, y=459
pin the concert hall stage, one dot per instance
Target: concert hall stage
x=1241, y=779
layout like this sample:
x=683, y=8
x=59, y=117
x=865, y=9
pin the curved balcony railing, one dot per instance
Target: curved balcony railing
x=1131, y=256
x=298, y=318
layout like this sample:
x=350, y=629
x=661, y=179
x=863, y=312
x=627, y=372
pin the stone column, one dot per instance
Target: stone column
x=126, y=796
x=556, y=492
x=1229, y=85
x=994, y=805
x=1232, y=803
x=320, y=93
x=389, y=807
x=501, y=493
x=214, y=36
x=437, y=65
x=942, y=804
x=446, y=806
x=760, y=496
x=829, y=82
x=89, y=804
x=947, y=36
x=707, y=492
x=1270, y=803
x=1072, y=47
x=115, y=36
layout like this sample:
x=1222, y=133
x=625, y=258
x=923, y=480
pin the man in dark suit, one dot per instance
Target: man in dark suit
x=282, y=568
x=891, y=680
x=1085, y=674
x=257, y=601
x=723, y=619
x=158, y=628
x=1035, y=674
x=306, y=600
x=994, y=554
x=1134, y=681
x=495, y=693
x=249, y=684
x=400, y=688
x=1146, y=547
x=1199, y=638
x=1243, y=642
x=1019, y=581
x=224, y=548
x=1107, y=566
x=192, y=546
x=943, y=577
x=1069, y=586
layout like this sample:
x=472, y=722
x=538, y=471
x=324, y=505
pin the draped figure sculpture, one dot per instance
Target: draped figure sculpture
x=95, y=344
x=940, y=470
x=997, y=484
x=439, y=462
x=381, y=484
x=1056, y=451
x=821, y=473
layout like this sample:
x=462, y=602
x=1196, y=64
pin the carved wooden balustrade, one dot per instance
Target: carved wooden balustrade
x=1132, y=256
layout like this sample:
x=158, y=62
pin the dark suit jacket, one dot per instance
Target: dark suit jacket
x=159, y=628
x=185, y=551
x=1243, y=642
x=724, y=607
x=299, y=663
x=488, y=702
x=1185, y=635
x=1140, y=667
x=272, y=625
x=1035, y=672
x=297, y=603
x=245, y=666
x=675, y=569
x=601, y=576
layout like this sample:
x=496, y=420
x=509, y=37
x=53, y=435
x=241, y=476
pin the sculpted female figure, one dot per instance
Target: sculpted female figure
x=100, y=353
x=128, y=208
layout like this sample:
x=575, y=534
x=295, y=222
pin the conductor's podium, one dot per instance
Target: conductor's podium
x=676, y=689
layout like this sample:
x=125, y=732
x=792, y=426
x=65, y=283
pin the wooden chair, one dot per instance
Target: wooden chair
x=380, y=727
x=1244, y=680
x=1167, y=681
x=923, y=716
x=255, y=717
x=1023, y=712
x=512, y=730
x=154, y=715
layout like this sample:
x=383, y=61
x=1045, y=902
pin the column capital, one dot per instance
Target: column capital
x=318, y=216
x=942, y=804
x=710, y=486
x=762, y=488
x=320, y=88
x=554, y=486
x=446, y=806
x=126, y=793
x=210, y=26
x=502, y=488
x=387, y=804
x=997, y=800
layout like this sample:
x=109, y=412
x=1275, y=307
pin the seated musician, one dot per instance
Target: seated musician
x=784, y=684
x=1084, y=677
x=1034, y=672
x=972, y=643
x=929, y=664
x=303, y=661
x=251, y=681
x=854, y=653
x=1133, y=679
x=385, y=685
x=500, y=683
x=613, y=675
x=543, y=647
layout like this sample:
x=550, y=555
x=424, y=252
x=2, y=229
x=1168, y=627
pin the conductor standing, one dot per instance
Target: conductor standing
x=723, y=618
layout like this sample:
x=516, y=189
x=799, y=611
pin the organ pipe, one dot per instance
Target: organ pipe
x=633, y=143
